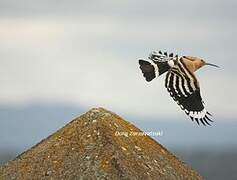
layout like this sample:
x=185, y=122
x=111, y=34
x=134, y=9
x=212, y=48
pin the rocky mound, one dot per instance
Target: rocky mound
x=97, y=145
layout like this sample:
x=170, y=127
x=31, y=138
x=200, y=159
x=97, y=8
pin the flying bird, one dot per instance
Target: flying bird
x=180, y=81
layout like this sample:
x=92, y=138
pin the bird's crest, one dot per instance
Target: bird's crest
x=159, y=56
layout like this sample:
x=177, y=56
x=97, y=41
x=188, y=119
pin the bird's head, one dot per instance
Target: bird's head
x=194, y=63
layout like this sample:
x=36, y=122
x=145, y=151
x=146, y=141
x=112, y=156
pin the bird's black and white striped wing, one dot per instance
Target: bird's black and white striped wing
x=184, y=89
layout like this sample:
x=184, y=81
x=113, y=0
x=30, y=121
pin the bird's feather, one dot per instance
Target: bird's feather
x=159, y=56
x=148, y=70
x=184, y=89
x=152, y=69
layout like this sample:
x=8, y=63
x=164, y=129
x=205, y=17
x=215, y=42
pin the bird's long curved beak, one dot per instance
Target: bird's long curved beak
x=212, y=65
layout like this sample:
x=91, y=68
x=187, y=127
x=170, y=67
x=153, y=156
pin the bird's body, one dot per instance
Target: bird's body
x=180, y=81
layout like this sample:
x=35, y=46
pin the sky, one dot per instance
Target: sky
x=86, y=53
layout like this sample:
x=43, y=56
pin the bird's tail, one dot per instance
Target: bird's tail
x=148, y=70
x=153, y=69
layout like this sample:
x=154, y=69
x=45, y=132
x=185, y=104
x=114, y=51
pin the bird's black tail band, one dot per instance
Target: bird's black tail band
x=148, y=70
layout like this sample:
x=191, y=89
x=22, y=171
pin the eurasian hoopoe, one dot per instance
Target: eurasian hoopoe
x=180, y=81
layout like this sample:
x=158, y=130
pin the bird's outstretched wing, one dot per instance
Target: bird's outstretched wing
x=184, y=89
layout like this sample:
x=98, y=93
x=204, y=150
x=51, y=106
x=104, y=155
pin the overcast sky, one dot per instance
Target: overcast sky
x=86, y=52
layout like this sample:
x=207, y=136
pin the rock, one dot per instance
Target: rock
x=88, y=148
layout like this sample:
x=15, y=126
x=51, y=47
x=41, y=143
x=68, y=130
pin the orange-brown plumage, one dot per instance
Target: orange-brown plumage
x=195, y=63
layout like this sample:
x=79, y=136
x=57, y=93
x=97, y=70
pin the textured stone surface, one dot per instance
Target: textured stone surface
x=90, y=148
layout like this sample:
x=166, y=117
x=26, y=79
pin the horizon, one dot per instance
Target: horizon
x=42, y=120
